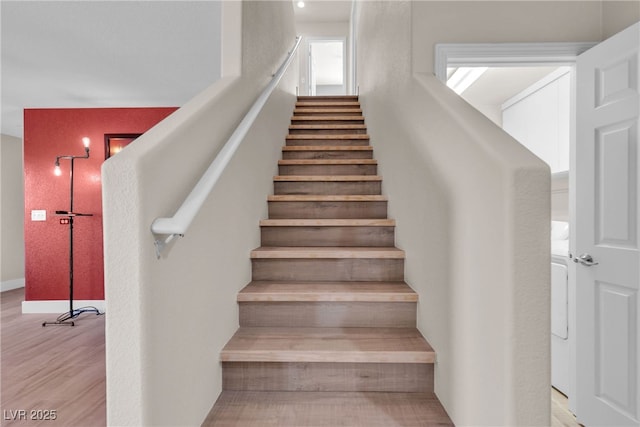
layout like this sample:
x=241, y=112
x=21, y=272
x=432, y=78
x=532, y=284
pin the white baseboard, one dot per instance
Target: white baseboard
x=9, y=285
x=59, y=306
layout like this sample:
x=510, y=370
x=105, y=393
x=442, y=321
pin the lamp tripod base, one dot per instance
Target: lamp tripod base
x=66, y=319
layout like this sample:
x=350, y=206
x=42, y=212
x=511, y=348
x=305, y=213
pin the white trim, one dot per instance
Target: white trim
x=552, y=77
x=504, y=54
x=9, y=285
x=59, y=306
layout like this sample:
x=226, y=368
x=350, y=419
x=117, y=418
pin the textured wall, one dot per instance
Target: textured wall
x=11, y=210
x=472, y=207
x=169, y=318
x=50, y=133
x=500, y=22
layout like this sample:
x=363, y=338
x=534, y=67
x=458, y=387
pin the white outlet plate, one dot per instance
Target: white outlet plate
x=38, y=215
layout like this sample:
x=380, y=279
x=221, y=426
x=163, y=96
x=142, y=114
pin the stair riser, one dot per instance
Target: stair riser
x=326, y=210
x=323, y=269
x=326, y=154
x=328, y=187
x=296, y=376
x=327, y=112
x=328, y=169
x=341, y=142
x=333, y=314
x=327, y=236
x=328, y=105
x=328, y=131
x=328, y=98
x=346, y=121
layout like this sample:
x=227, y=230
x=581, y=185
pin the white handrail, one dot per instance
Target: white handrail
x=178, y=224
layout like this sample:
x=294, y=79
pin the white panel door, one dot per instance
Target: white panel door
x=606, y=203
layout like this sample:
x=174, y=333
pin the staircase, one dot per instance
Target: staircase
x=327, y=331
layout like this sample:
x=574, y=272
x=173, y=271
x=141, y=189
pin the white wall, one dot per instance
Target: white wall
x=11, y=213
x=500, y=21
x=169, y=318
x=540, y=118
x=472, y=207
x=618, y=15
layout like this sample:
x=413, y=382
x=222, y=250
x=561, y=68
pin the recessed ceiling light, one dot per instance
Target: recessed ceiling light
x=300, y=4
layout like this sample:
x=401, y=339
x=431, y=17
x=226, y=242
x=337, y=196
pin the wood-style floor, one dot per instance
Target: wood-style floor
x=62, y=369
x=50, y=372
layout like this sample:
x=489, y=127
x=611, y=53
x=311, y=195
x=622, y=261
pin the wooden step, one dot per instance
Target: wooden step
x=324, y=129
x=328, y=111
x=292, y=162
x=334, y=304
x=261, y=291
x=328, y=98
x=360, y=264
x=306, y=252
x=327, y=184
x=327, y=104
x=354, y=232
x=320, y=314
x=327, y=152
x=326, y=120
x=291, y=408
x=328, y=167
x=341, y=345
x=319, y=376
x=327, y=206
x=342, y=139
x=329, y=198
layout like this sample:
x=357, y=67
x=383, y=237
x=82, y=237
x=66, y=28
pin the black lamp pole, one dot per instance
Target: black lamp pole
x=65, y=319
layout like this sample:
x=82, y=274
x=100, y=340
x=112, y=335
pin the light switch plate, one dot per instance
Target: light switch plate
x=38, y=215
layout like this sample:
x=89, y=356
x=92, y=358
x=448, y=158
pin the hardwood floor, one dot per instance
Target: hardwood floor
x=560, y=414
x=62, y=369
x=51, y=372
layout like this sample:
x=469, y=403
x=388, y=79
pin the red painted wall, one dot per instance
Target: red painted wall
x=49, y=133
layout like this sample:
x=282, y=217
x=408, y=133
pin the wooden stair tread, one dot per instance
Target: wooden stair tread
x=346, y=345
x=318, y=408
x=326, y=97
x=321, y=126
x=327, y=252
x=328, y=162
x=327, y=148
x=305, y=117
x=327, y=223
x=337, y=111
x=354, y=104
x=325, y=198
x=263, y=291
x=333, y=178
x=330, y=137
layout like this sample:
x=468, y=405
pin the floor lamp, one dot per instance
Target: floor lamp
x=66, y=319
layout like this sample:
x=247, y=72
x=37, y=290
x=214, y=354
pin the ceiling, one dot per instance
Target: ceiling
x=81, y=54
x=499, y=84
x=323, y=11
x=65, y=54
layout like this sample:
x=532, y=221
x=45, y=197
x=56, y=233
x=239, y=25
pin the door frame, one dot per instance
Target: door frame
x=505, y=54
x=527, y=54
x=320, y=39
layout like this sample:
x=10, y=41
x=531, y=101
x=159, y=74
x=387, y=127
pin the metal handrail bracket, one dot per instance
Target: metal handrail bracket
x=166, y=229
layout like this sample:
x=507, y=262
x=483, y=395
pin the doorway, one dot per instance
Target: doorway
x=327, y=71
x=544, y=85
x=603, y=187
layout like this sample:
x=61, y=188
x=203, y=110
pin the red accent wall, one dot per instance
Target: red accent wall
x=49, y=133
